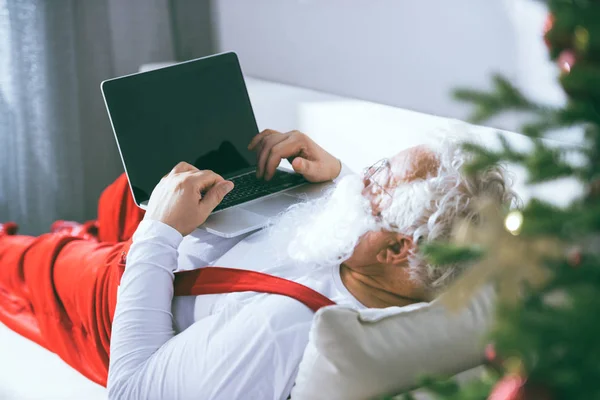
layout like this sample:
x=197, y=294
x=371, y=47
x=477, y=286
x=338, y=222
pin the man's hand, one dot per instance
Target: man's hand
x=178, y=199
x=307, y=158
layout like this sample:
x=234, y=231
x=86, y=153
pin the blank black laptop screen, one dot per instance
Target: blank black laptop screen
x=198, y=112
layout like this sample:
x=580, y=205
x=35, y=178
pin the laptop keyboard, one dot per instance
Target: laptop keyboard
x=248, y=187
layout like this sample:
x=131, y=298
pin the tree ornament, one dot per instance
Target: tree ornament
x=493, y=360
x=514, y=222
x=490, y=353
x=566, y=61
x=508, y=388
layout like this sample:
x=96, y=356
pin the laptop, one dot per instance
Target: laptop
x=198, y=111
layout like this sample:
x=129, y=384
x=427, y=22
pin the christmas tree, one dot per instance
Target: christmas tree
x=544, y=343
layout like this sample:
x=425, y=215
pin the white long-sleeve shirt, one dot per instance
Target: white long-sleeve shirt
x=225, y=346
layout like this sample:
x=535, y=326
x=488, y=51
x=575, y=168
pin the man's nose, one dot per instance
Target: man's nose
x=368, y=177
x=366, y=192
x=370, y=188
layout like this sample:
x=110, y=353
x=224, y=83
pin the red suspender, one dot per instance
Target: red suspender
x=214, y=280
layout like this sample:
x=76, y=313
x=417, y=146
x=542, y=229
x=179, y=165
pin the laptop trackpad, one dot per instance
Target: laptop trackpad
x=232, y=222
x=248, y=217
x=271, y=206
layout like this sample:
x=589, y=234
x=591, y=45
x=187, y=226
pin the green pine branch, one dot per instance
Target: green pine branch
x=441, y=254
x=505, y=97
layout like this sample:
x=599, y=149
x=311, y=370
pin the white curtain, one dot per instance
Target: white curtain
x=57, y=150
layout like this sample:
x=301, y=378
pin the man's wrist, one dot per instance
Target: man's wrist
x=151, y=229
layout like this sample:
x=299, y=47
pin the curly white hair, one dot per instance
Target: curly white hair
x=426, y=209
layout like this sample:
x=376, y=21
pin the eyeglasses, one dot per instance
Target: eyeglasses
x=376, y=178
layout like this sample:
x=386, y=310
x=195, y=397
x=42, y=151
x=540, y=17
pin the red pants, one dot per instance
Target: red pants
x=59, y=289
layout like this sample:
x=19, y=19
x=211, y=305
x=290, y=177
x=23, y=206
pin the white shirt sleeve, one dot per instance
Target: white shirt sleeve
x=227, y=355
x=143, y=321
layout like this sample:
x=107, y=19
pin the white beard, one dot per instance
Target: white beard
x=325, y=231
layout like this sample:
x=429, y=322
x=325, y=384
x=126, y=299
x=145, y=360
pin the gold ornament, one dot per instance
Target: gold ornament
x=513, y=222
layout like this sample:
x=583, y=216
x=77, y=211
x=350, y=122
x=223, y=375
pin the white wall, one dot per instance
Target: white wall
x=406, y=53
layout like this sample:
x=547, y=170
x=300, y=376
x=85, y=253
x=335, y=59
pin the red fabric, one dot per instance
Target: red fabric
x=118, y=215
x=212, y=280
x=59, y=290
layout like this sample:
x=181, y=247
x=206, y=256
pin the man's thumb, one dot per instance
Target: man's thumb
x=301, y=165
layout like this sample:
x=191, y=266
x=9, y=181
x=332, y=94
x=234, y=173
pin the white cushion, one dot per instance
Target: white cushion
x=361, y=355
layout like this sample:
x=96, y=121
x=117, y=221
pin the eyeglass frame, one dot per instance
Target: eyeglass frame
x=370, y=172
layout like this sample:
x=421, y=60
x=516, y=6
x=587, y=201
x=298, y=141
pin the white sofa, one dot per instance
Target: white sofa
x=357, y=132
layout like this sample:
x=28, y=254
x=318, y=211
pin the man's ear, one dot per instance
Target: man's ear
x=396, y=250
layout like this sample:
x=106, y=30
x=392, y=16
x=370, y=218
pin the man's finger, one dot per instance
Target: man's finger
x=265, y=141
x=215, y=195
x=265, y=151
x=202, y=181
x=283, y=149
x=256, y=139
